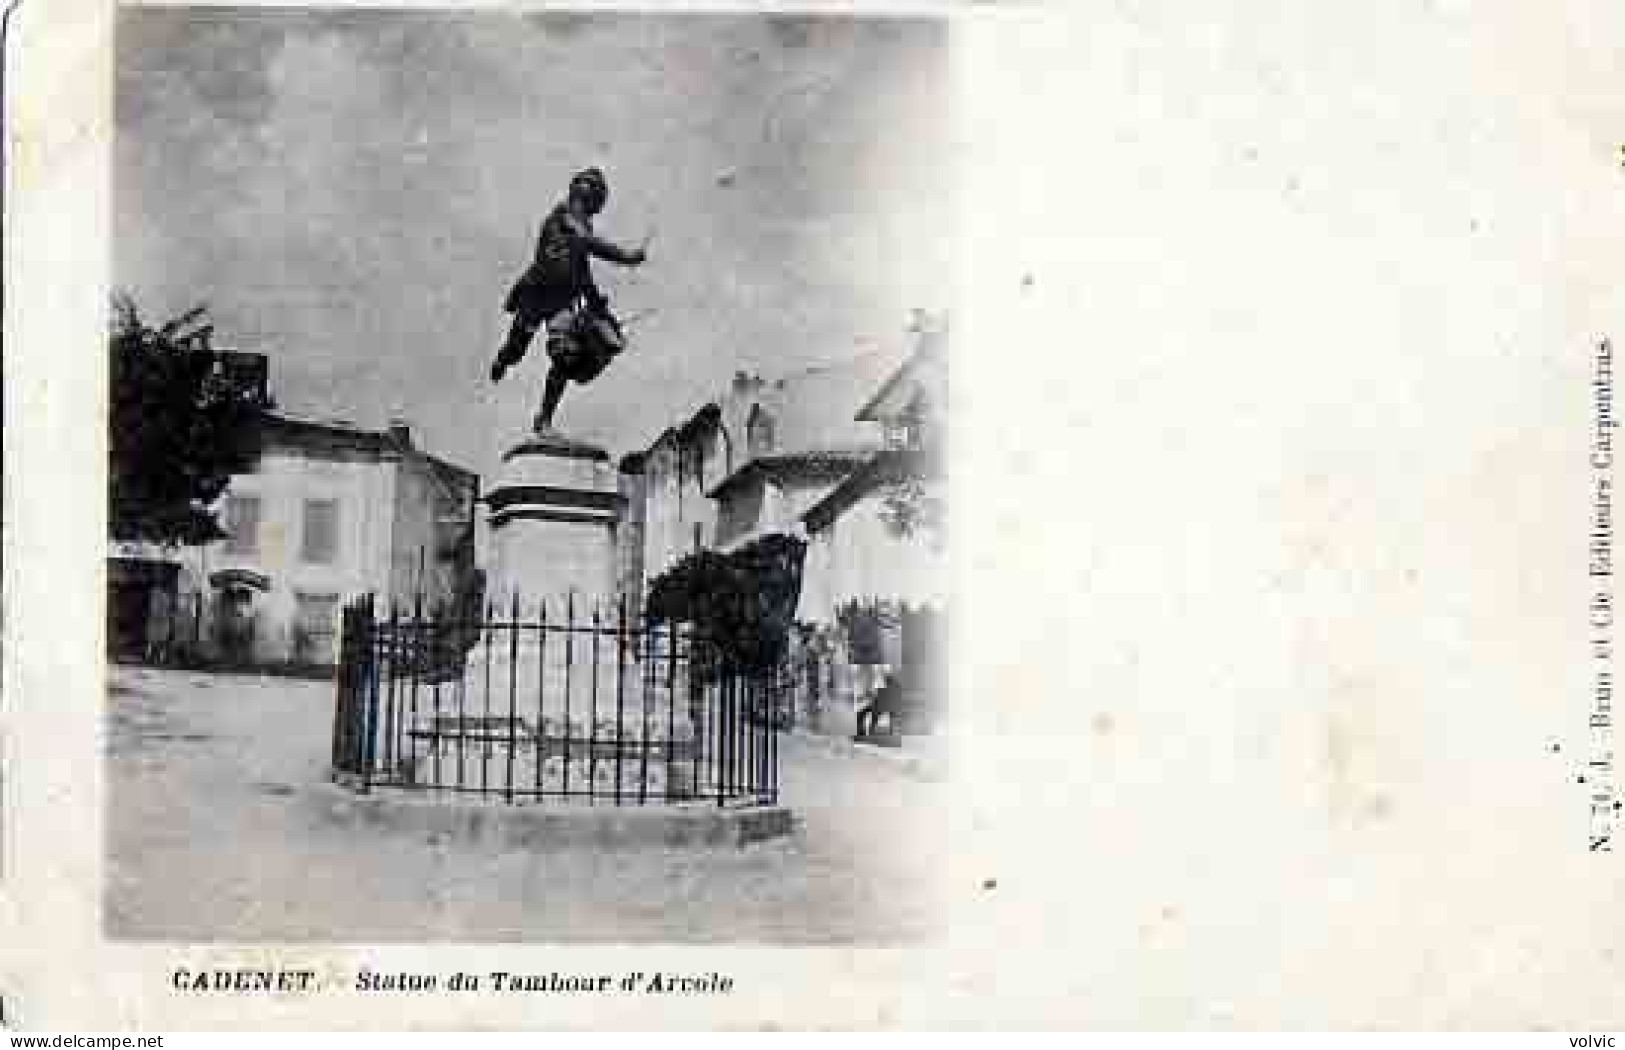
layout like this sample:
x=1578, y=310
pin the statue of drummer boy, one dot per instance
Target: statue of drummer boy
x=558, y=291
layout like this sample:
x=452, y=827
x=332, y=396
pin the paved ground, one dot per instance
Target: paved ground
x=216, y=832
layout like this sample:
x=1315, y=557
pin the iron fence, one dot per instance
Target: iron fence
x=557, y=705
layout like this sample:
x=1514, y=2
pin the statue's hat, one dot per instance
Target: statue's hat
x=591, y=179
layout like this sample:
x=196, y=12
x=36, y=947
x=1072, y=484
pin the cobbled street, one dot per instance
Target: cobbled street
x=218, y=830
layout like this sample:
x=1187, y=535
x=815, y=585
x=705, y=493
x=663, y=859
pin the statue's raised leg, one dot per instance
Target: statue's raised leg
x=513, y=349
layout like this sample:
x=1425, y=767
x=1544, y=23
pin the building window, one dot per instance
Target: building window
x=699, y=535
x=907, y=429
x=321, y=531
x=906, y=434
x=242, y=524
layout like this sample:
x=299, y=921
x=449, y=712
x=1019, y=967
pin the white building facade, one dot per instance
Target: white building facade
x=329, y=512
x=751, y=462
x=845, y=457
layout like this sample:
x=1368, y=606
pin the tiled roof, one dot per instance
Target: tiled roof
x=882, y=468
x=812, y=409
x=923, y=366
x=803, y=464
x=345, y=435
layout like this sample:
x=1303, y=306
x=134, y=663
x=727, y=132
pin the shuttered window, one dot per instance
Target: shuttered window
x=321, y=534
x=241, y=521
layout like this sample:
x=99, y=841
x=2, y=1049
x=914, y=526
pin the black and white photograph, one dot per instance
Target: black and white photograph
x=933, y=516
x=527, y=492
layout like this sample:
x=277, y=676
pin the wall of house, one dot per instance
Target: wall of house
x=768, y=506
x=630, y=540
x=364, y=492
x=431, y=511
x=679, y=471
x=740, y=513
x=661, y=512
x=675, y=500
x=675, y=503
x=712, y=462
x=412, y=561
x=792, y=498
x=858, y=556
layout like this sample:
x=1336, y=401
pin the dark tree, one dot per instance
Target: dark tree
x=743, y=603
x=179, y=426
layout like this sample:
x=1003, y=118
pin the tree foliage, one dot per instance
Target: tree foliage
x=743, y=603
x=178, y=428
x=909, y=507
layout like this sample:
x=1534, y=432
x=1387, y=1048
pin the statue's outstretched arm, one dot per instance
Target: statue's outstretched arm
x=611, y=252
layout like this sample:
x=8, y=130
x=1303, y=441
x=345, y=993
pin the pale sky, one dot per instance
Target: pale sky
x=353, y=192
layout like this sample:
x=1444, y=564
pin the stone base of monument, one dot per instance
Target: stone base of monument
x=534, y=723
x=568, y=724
x=554, y=508
x=553, y=826
x=541, y=718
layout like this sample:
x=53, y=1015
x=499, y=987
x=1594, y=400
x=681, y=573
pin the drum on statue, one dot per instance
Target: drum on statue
x=600, y=340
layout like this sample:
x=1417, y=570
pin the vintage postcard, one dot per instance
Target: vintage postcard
x=826, y=516
x=451, y=527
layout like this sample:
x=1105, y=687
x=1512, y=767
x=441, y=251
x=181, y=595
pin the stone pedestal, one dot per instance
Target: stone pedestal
x=553, y=513
x=563, y=708
x=542, y=703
